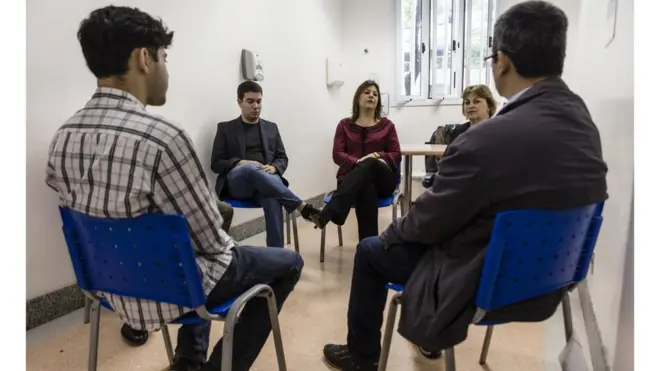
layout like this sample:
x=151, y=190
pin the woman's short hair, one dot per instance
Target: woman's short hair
x=483, y=92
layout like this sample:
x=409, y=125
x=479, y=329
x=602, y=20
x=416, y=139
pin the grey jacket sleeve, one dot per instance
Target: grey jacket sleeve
x=458, y=194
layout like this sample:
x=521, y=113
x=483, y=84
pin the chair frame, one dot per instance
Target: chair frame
x=397, y=199
x=232, y=318
x=450, y=360
x=228, y=312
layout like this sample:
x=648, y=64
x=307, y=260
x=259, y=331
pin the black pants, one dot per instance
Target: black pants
x=227, y=213
x=369, y=180
x=250, y=266
x=374, y=267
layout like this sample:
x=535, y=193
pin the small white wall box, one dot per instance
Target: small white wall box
x=334, y=72
x=252, y=66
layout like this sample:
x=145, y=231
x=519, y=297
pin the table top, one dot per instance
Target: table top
x=423, y=149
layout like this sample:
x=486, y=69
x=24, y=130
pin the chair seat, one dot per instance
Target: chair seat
x=191, y=318
x=395, y=287
x=382, y=202
x=242, y=204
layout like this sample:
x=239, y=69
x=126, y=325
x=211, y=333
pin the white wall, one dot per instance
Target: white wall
x=204, y=73
x=603, y=77
x=371, y=24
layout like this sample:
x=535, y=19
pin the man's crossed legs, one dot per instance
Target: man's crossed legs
x=252, y=182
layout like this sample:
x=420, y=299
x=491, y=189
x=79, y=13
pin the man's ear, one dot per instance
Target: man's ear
x=503, y=63
x=142, y=59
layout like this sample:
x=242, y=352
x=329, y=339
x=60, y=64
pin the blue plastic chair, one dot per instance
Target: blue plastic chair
x=531, y=253
x=252, y=204
x=394, y=200
x=151, y=257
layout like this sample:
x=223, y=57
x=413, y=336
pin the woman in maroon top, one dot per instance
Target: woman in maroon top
x=366, y=148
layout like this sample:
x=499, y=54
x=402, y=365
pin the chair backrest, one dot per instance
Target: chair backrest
x=147, y=257
x=534, y=252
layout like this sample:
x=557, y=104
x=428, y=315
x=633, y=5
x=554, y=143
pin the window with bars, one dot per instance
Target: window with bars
x=441, y=46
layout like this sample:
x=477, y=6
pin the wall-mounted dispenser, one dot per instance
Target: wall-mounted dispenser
x=334, y=72
x=252, y=66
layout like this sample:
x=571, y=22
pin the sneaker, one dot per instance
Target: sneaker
x=430, y=354
x=309, y=212
x=339, y=357
x=134, y=337
x=184, y=364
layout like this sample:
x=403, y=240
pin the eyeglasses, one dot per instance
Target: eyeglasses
x=494, y=55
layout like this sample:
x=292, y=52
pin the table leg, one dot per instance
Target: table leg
x=407, y=176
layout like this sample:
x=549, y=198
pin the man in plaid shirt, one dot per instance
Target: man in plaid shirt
x=115, y=159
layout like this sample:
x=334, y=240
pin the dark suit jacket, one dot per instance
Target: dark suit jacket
x=229, y=149
x=541, y=151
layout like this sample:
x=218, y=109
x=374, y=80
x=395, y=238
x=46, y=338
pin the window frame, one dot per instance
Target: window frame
x=460, y=58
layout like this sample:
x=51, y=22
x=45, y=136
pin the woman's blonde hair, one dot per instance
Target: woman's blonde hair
x=483, y=92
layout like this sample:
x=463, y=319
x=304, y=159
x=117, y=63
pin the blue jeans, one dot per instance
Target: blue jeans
x=374, y=267
x=249, y=266
x=249, y=181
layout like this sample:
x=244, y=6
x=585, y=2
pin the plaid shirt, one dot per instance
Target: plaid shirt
x=114, y=159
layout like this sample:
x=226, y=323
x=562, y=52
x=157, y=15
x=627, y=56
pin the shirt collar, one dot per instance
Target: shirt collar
x=517, y=95
x=104, y=96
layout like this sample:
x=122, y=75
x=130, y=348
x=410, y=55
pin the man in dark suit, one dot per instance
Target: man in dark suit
x=250, y=160
x=542, y=151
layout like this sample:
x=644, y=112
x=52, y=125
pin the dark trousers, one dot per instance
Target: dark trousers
x=369, y=180
x=249, y=266
x=374, y=267
x=227, y=213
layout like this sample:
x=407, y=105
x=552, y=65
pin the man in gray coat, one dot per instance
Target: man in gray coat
x=542, y=151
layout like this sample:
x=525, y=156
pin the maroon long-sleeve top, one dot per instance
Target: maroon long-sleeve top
x=353, y=142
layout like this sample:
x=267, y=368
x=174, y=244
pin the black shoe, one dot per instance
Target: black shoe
x=430, y=354
x=309, y=212
x=339, y=357
x=184, y=364
x=134, y=337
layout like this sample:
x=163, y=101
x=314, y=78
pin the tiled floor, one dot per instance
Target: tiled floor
x=314, y=315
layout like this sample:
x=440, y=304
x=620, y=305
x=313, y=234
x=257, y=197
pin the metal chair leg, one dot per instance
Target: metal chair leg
x=95, y=311
x=450, y=360
x=389, y=329
x=277, y=334
x=295, y=234
x=228, y=338
x=264, y=291
x=486, y=346
x=168, y=344
x=340, y=236
x=88, y=307
x=323, y=245
x=568, y=316
x=394, y=212
x=288, y=228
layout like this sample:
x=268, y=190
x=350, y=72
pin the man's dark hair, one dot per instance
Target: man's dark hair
x=109, y=35
x=533, y=35
x=248, y=87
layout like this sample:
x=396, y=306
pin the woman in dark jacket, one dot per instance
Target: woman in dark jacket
x=366, y=148
x=478, y=105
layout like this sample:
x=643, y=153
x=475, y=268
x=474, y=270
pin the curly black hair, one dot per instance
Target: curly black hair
x=110, y=34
